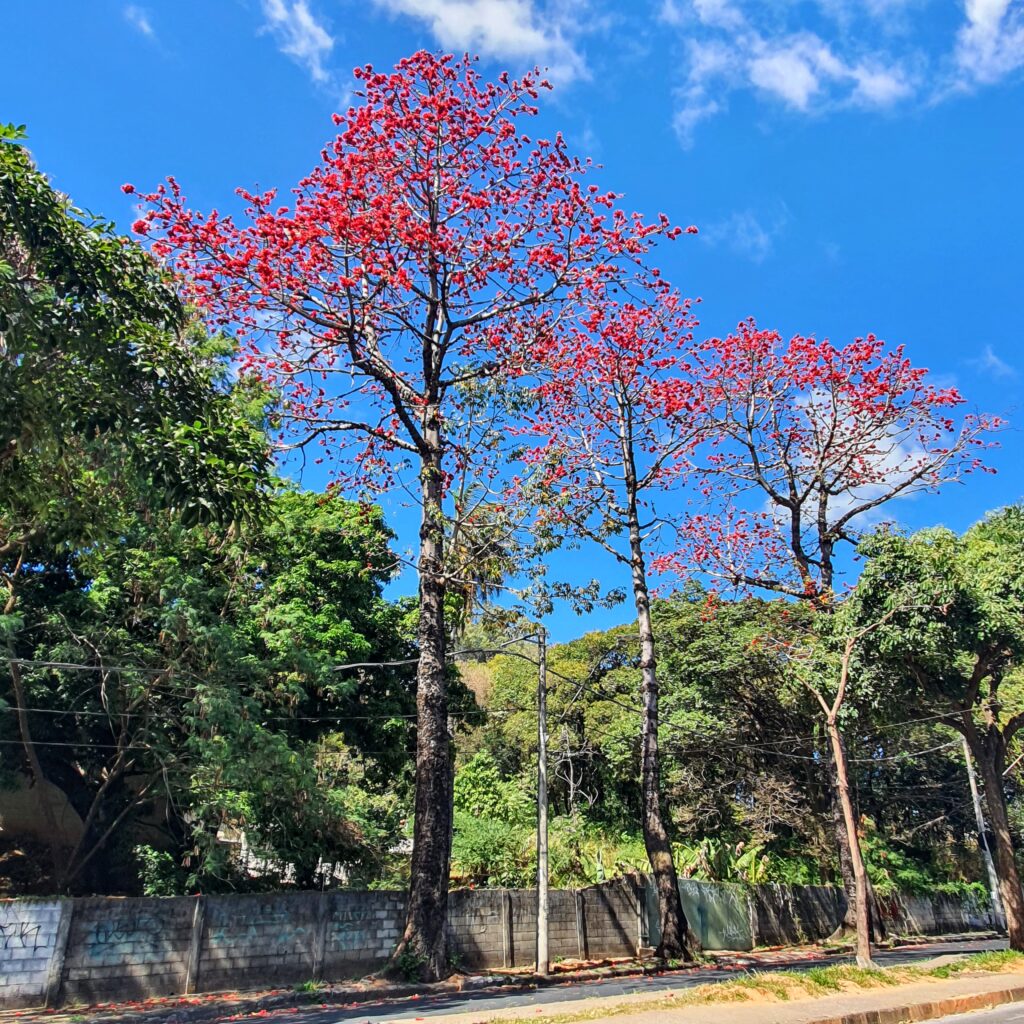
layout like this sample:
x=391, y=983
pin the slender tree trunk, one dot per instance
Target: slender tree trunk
x=860, y=875
x=848, y=925
x=423, y=949
x=989, y=754
x=673, y=944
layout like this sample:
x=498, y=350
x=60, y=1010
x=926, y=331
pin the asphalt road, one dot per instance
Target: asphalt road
x=1012, y=1013
x=425, y=1008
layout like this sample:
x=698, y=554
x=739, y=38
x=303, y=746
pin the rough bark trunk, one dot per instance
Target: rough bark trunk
x=862, y=913
x=675, y=942
x=989, y=754
x=423, y=949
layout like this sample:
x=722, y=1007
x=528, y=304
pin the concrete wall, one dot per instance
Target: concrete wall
x=137, y=948
x=30, y=937
x=107, y=949
x=741, y=917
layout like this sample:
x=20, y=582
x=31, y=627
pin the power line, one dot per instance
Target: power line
x=276, y=718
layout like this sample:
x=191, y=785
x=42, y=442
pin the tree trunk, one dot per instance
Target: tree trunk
x=848, y=926
x=423, y=949
x=989, y=754
x=674, y=944
x=860, y=876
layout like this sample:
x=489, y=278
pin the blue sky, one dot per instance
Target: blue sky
x=852, y=166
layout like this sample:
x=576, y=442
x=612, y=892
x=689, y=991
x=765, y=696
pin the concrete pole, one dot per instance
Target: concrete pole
x=543, y=960
x=986, y=854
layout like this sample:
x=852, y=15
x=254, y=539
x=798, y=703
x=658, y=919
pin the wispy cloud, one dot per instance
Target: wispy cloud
x=524, y=31
x=989, y=362
x=990, y=44
x=747, y=234
x=864, y=54
x=300, y=35
x=138, y=18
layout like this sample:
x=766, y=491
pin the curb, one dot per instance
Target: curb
x=929, y=1011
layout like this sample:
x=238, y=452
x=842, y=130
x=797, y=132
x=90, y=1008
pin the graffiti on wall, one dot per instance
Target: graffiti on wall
x=139, y=934
x=21, y=935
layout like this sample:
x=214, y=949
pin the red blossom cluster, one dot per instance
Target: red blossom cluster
x=802, y=441
x=434, y=244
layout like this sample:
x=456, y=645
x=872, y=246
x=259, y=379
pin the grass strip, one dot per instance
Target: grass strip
x=785, y=985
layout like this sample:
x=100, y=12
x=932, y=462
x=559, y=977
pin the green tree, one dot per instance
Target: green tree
x=210, y=693
x=960, y=647
x=104, y=391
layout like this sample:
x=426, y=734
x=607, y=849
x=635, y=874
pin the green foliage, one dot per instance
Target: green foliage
x=481, y=792
x=159, y=873
x=104, y=386
x=955, y=607
x=893, y=869
x=741, y=758
x=409, y=965
x=225, y=707
x=488, y=851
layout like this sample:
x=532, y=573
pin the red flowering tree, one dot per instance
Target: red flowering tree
x=805, y=440
x=616, y=416
x=414, y=268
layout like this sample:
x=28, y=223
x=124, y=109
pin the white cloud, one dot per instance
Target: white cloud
x=718, y=12
x=138, y=18
x=799, y=69
x=299, y=35
x=510, y=30
x=990, y=44
x=990, y=363
x=868, y=55
x=787, y=73
x=746, y=234
x=880, y=87
x=671, y=13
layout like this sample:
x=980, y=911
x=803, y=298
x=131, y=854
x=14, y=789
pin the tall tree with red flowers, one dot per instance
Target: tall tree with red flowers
x=804, y=440
x=420, y=262
x=616, y=419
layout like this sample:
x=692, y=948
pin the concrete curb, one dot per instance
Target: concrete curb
x=929, y=1011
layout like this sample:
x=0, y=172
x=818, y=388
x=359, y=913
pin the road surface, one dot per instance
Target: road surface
x=424, y=1008
x=1012, y=1013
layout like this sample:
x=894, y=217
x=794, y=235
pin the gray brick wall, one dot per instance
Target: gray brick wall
x=478, y=927
x=360, y=930
x=127, y=948
x=610, y=917
x=108, y=949
x=28, y=935
x=258, y=940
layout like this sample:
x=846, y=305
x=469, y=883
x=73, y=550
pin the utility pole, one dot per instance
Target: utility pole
x=986, y=854
x=543, y=964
